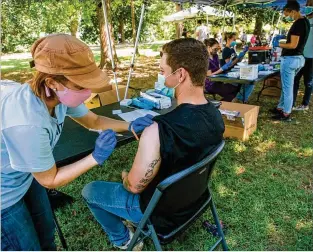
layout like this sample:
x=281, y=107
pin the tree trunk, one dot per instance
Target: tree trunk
x=74, y=26
x=121, y=30
x=132, y=8
x=178, y=25
x=259, y=24
x=105, y=61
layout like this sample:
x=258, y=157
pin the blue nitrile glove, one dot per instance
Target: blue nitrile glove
x=141, y=123
x=227, y=65
x=245, y=48
x=275, y=42
x=241, y=55
x=261, y=68
x=104, y=147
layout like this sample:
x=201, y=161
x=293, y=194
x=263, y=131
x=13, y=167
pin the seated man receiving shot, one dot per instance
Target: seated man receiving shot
x=174, y=142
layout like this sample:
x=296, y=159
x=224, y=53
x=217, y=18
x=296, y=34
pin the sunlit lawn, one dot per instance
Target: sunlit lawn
x=262, y=188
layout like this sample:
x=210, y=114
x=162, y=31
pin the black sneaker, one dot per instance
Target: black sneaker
x=281, y=117
x=275, y=111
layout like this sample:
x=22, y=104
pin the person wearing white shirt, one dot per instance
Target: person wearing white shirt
x=201, y=31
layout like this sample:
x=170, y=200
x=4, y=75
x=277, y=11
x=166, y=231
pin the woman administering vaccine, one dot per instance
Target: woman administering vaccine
x=32, y=117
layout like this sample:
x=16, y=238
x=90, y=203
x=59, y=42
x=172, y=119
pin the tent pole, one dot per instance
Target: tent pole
x=135, y=48
x=278, y=22
x=273, y=18
x=110, y=46
x=223, y=29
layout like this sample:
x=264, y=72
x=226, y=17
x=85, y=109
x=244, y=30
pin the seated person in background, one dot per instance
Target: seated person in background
x=227, y=91
x=253, y=40
x=228, y=54
x=173, y=143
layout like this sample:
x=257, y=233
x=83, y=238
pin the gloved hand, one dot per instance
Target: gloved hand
x=245, y=48
x=241, y=55
x=141, y=123
x=261, y=67
x=104, y=147
x=275, y=42
x=227, y=65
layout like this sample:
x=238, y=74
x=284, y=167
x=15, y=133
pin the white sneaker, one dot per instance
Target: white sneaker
x=301, y=108
x=138, y=247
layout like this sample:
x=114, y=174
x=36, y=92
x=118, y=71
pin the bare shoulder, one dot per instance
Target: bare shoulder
x=151, y=132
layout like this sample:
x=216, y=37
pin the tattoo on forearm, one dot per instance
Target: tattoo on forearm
x=148, y=176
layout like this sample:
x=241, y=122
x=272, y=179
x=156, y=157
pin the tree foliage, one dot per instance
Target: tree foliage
x=25, y=21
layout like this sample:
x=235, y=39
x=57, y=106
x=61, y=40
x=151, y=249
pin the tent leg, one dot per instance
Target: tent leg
x=135, y=48
x=223, y=29
x=110, y=46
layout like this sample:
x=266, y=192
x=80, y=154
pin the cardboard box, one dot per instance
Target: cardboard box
x=273, y=87
x=110, y=96
x=107, y=97
x=242, y=126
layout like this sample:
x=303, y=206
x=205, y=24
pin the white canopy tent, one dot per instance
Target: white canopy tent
x=194, y=12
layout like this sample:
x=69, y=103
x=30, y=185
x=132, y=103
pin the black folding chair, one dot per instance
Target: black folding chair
x=190, y=183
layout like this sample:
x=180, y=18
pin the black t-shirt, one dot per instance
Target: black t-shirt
x=187, y=135
x=227, y=53
x=300, y=28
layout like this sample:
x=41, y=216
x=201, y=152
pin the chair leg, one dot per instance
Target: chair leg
x=134, y=239
x=59, y=231
x=155, y=238
x=218, y=225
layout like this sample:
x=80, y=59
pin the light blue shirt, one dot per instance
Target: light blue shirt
x=28, y=136
x=308, y=49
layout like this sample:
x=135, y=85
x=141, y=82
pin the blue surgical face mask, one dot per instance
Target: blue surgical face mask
x=308, y=10
x=170, y=92
x=289, y=18
x=232, y=44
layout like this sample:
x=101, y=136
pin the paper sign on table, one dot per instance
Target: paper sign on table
x=133, y=115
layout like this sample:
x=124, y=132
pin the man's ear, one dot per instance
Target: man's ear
x=183, y=75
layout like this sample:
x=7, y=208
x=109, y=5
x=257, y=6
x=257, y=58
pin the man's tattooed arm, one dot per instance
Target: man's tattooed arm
x=148, y=175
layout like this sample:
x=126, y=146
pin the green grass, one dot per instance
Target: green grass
x=13, y=65
x=153, y=47
x=262, y=187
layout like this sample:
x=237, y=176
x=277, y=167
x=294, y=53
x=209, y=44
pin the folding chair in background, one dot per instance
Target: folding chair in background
x=191, y=184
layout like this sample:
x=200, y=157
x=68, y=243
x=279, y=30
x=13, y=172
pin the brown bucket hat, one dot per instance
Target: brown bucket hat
x=63, y=54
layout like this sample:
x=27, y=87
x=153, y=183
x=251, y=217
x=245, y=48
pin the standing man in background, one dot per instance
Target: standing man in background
x=201, y=31
x=244, y=38
x=307, y=70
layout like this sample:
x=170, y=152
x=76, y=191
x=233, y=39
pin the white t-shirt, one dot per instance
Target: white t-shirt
x=308, y=49
x=203, y=32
